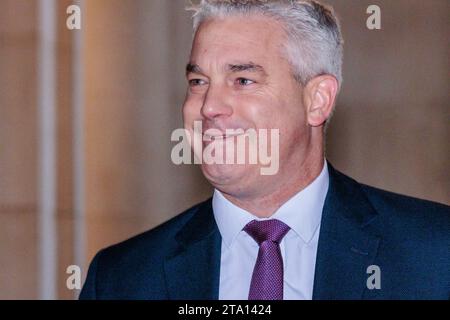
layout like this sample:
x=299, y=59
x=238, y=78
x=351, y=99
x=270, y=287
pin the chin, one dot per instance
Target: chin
x=225, y=175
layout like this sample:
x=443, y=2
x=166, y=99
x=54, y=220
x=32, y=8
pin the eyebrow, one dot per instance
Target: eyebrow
x=193, y=68
x=250, y=67
x=240, y=67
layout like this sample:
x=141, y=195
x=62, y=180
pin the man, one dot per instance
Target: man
x=307, y=232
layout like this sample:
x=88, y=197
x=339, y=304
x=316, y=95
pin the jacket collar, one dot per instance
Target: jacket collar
x=192, y=271
x=348, y=241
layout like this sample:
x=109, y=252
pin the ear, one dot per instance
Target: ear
x=319, y=99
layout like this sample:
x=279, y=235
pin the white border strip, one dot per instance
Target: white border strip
x=47, y=236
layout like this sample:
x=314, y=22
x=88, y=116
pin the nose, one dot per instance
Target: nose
x=216, y=104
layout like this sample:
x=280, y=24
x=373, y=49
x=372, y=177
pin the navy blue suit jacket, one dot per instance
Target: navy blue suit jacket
x=407, y=238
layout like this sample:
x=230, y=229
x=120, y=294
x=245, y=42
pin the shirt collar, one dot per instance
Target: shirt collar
x=302, y=213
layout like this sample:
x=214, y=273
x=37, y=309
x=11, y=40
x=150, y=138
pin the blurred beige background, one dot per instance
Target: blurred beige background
x=391, y=128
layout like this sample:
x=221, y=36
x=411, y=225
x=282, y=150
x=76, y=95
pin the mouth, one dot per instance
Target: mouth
x=221, y=137
x=209, y=137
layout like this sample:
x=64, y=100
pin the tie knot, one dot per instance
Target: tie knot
x=272, y=230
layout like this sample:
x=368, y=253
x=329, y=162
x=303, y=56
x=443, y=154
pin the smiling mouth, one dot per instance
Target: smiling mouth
x=208, y=137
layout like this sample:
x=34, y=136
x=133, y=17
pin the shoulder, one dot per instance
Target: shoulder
x=412, y=222
x=405, y=206
x=134, y=269
x=388, y=203
x=156, y=241
x=401, y=216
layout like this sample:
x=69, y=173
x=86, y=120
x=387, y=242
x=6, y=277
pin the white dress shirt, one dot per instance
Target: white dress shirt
x=302, y=213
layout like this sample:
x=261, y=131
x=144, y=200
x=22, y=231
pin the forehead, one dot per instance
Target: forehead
x=239, y=38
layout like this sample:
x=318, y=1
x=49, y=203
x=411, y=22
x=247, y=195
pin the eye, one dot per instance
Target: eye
x=196, y=82
x=244, y=82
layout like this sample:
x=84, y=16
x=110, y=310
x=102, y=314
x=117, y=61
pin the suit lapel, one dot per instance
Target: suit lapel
x=348, y=241
x=192, y=272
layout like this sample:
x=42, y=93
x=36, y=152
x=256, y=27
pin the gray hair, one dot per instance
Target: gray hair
x=315, y=44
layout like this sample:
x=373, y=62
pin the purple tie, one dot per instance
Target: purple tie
x=267, y=278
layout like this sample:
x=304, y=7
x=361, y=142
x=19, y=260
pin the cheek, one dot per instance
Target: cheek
x=291, y=114
x=293, y=126
x=284, y=113
x=191, y=110
x=266, y=112
x=257, y=109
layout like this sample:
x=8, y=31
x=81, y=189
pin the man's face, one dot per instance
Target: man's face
x=239, y=78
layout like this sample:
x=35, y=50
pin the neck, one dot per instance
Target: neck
x=283, y=188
